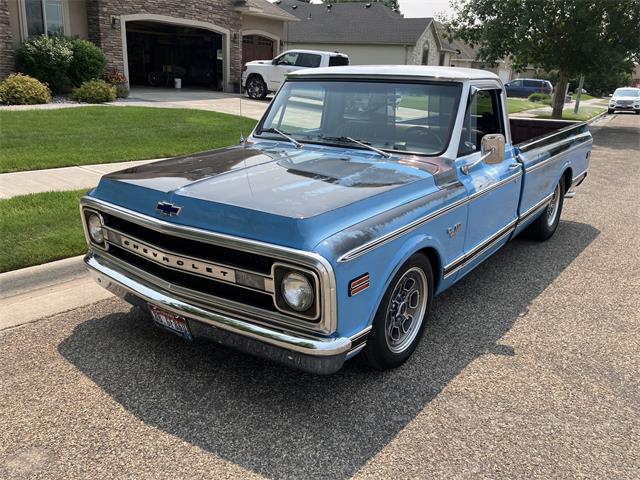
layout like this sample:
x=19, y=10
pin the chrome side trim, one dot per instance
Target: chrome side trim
x=375, y=243
x=534, y=209
x=328, y=321
x=546, y=138
x=467, y=257
x=556, y=156
x=577, y=180
x=117, y=281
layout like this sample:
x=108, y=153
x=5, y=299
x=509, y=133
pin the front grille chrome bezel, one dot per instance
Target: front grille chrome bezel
x=324, y=320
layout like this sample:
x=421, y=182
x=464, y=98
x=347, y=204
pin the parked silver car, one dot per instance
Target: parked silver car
x=625, y=99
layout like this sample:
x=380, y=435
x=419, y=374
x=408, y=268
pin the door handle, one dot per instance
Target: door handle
x=513, y=166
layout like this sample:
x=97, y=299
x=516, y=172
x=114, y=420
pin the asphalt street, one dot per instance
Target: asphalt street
x=529, y=368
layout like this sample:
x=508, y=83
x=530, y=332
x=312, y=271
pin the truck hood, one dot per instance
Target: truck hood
x=270, y=191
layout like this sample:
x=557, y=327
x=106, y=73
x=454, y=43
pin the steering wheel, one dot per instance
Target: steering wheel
x=423, y=135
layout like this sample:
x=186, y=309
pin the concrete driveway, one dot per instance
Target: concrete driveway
x=529, y=368
x=201, y=99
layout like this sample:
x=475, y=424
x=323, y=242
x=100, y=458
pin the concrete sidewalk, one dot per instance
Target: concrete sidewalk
x=59, y=179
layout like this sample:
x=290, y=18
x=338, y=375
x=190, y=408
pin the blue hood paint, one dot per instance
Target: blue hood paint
x=271, y=191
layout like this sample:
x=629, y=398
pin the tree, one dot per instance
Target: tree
x=392, y=4
x=571, y=37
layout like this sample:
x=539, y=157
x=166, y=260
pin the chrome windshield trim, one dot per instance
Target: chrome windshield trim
x=309, y=345
x=322, y=267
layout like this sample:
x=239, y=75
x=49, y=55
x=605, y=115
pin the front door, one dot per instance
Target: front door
x=283, y=64
x=493, y=189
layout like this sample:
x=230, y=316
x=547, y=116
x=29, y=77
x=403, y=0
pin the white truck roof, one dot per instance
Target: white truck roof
x=318, y=52
x=445, y=73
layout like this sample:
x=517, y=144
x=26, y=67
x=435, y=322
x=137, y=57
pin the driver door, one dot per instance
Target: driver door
x=493, y=189
x=282, y=65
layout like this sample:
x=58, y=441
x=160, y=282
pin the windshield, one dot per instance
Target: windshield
x=405, y=117
x=627, y=92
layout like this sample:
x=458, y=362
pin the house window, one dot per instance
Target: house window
x=425, y=56
x=442, y=57
x=44, y=17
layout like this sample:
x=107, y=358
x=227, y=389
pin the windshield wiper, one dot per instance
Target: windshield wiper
x=357, y=142
x=283, y=135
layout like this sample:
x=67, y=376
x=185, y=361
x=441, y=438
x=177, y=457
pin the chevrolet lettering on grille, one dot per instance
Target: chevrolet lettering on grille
x=180, y=263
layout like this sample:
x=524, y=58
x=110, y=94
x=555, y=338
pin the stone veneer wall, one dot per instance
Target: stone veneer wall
x=426, y=41
x=7, y=49
x=218, y=12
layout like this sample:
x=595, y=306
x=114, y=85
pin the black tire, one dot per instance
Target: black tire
x=637, y=112
x=154, y=78
x=379, y=352
x=610, y=111
x=256, y=88
x=546, y=224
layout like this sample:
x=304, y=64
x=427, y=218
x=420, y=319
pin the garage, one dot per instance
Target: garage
x=158, y=53
x=257, y=47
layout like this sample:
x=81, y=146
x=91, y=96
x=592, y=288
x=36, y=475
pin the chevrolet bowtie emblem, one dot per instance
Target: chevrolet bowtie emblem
x=167, y=208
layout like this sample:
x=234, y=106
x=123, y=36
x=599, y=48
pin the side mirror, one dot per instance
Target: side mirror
x=492, y=149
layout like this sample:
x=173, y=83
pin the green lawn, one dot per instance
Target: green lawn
x=584, y=96
x=584, y=113
x=521, y=104
x=40, y=228
x=37, y=139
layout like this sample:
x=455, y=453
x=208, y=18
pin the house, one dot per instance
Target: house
x=370, y=33
x=206, y=41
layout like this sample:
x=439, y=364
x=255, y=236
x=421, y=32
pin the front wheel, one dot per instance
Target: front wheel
x=546, y=224
x=400, y=319
x=610, y=111
x=256, y=88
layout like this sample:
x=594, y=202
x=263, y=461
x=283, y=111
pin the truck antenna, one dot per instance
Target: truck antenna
x=242, y=139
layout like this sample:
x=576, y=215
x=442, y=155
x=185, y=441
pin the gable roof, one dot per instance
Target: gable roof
x=263, y=8
x=351, y=22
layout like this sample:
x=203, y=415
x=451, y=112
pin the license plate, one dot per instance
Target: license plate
x=171, y=322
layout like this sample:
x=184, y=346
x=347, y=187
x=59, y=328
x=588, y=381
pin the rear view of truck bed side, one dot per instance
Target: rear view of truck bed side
x=548, y=149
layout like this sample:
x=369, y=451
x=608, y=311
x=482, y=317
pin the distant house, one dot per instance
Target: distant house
x=206, y=40
x=370, y=33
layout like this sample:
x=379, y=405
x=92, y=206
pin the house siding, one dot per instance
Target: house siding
x=360, y=54
x=426, y=41
x=7, y=47
x=220, y=13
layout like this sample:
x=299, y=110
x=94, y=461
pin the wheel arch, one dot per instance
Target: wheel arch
x=567, y=177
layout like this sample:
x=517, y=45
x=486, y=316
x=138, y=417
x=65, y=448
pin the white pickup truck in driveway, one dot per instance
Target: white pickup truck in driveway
x=263, y=76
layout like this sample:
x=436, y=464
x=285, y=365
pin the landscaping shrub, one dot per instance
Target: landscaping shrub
x=48, y=59
x=95, y=91
x=118, y=80
x=88, y=62
x=18, y=89
x=540, y=98
x=122, y=91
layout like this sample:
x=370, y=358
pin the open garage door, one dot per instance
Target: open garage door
x=160, y=52
x=257, y=47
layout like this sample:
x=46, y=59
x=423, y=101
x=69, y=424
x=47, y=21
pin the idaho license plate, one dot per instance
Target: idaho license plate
x=171, y=322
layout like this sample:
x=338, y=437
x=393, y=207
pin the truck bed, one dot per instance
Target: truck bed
x=529, y=132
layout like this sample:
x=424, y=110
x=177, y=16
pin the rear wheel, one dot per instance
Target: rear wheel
x=546, y=224
x=400, y=319
x=256, y=88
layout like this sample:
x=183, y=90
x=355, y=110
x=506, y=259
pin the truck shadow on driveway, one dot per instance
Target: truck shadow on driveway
x=283, y=423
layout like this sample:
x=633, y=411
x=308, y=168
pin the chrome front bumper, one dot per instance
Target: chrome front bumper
x=297, y=350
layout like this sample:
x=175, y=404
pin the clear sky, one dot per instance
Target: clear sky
x=424, y=8
x=420, y=8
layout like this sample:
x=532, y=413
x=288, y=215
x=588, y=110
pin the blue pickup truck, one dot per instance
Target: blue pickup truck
x=361, y=194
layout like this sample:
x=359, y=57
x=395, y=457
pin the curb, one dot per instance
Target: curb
x=42, y=276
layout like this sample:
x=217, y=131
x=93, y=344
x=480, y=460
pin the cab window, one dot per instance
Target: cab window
x=483, y=117
x=288, y=59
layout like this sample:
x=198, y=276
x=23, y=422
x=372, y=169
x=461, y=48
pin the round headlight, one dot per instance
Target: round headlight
x=297, y=291
x=95, y=228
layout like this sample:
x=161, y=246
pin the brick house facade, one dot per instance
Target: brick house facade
x=105, y=23
x=6, y=40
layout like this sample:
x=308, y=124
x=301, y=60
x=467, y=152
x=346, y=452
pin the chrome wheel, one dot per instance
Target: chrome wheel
x=406, y=310
x=255, y=89
x=552, y=209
